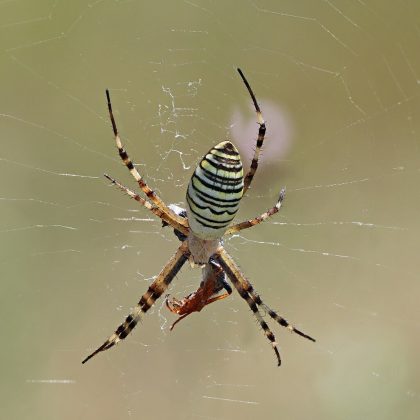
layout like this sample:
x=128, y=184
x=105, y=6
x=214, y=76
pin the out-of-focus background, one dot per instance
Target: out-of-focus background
x=338, y=83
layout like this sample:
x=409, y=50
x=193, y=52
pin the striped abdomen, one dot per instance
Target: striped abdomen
x=214, y=191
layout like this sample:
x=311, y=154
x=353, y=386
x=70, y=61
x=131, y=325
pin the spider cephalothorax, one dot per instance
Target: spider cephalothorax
x=213, y=196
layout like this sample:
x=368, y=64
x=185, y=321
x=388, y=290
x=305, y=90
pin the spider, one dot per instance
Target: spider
x=213, y=196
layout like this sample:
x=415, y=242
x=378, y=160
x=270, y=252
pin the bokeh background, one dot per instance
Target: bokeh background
x=338, y=83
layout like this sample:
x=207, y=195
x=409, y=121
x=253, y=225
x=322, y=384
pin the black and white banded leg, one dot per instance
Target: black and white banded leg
x=155, y=290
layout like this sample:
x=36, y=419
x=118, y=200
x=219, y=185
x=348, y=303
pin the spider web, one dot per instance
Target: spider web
x=338, y=83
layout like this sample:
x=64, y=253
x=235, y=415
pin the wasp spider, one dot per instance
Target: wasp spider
x=213, y=196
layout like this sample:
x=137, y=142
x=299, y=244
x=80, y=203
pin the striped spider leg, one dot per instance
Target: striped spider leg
x=168, y=217
x=221, y=264
x=213, y=277
x=150, y=194
x=247, y=292
x=261, y=135
x=155, y=290
x=213, y=196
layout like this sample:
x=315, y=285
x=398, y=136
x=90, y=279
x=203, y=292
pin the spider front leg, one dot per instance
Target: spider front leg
x=282, y=321
x=155, y=290
x=236, y=277
x=257, y=299
x=247, y=292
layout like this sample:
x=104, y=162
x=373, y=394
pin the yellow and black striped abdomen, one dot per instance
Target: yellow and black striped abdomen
x=214, y=191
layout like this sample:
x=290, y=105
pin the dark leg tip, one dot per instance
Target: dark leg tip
x=282, y=194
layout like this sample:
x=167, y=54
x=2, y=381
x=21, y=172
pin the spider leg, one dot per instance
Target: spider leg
x=155, y=210
x=257, y=220
x=153, y=293
x=151, y=195
x=283, y=322
x=239, y=282
x=227, y=259
x=260, y=139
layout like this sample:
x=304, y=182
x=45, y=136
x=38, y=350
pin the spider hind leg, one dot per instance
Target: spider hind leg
x=261, y=134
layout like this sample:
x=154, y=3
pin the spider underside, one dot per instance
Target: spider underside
x=213, y=197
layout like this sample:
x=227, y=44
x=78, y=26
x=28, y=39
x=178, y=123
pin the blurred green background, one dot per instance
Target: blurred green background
x=338, y=82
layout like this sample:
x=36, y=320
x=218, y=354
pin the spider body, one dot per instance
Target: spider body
x=215, y=191
x=213, y=196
